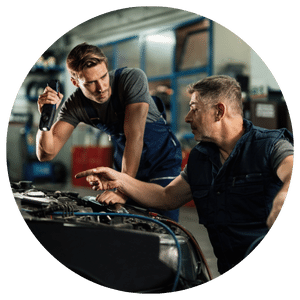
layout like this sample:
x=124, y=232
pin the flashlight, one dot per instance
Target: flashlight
x=48, y=110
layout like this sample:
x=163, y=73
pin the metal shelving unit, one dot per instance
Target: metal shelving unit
x=175, y=74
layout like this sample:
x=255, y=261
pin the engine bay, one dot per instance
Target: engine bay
x=123, y=247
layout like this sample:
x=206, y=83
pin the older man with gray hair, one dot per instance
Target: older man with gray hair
x=238, y=174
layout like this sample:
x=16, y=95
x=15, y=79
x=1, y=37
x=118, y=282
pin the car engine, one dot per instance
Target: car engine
x=122, y=247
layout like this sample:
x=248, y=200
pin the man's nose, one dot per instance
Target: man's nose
x=99, y=86
x=188, y=117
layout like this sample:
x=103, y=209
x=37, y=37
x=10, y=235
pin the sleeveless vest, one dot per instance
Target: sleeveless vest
x=233, y=200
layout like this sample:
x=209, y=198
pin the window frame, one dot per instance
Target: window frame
x=175, y=74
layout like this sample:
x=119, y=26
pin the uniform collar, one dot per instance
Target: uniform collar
x=212, y=151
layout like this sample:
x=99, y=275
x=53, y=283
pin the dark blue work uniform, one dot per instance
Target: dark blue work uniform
x=234, y=200
x=161, y=155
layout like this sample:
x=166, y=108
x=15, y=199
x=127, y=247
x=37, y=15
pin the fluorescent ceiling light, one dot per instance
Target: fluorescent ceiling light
x=160, y=39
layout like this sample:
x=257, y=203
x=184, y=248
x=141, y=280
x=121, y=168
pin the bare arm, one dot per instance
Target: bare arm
x=176, y=194
x=284, y=172
x=49, y=143
x=134, y=127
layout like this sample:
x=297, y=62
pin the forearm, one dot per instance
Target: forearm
x=145, y=194
x=134, y=127
x=284, y=172
x=49, y=143
x=45, y=143
x=45, y=146
x=173, y=196
x=276, y=207
x=132, y=156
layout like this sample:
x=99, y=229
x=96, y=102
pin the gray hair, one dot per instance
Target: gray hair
x=212, y=89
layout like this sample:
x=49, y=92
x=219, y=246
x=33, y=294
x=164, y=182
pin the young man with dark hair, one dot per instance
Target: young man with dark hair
x=119, y=104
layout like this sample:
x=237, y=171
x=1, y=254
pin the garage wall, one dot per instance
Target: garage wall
x=228, y=49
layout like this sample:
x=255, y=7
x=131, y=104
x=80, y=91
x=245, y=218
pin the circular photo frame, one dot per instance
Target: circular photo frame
x=161, y=58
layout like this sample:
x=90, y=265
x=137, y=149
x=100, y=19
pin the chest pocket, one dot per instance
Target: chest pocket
x=246, y=201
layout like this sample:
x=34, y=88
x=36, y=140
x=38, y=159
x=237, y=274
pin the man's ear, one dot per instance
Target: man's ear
x=220, y=111
x=74, y=81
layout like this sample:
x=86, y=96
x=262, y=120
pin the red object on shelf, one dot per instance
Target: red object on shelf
x=185, y=157
x=84, y=158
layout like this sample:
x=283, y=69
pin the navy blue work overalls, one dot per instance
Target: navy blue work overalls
x=161, y=156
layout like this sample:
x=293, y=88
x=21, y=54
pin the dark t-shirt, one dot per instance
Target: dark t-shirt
x=132, y=88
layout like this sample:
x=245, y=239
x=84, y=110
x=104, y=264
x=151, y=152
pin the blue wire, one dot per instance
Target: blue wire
x=143, y=218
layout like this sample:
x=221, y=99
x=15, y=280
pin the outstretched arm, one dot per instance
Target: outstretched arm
x=284, y=172
x=176, y=194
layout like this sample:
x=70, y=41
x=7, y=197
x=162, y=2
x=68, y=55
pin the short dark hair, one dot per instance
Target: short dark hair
x=84, y=56
x=215, y=88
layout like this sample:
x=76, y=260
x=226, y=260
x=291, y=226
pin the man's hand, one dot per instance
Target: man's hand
x=101, y=178
x=110, y=197
x=174, y=195
x=49, y=97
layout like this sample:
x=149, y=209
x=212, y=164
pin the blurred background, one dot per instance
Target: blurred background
x=174, y=48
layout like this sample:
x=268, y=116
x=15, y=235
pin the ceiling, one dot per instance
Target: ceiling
x=125, y=22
